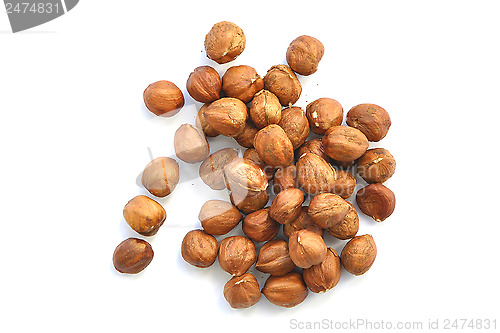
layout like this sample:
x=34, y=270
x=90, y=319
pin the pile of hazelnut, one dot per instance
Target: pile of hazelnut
x=259, y=114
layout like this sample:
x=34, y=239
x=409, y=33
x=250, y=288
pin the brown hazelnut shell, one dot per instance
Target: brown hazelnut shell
x=376, y=165
x=242, y=82
x=345, y=184
x=161, y=176
x=302, y=222
x=287, y=291
x=344, y=143
x=373, y=120
x=324, y=276
x=359, y=254
x=212, y=169
x=201, y=122
x=253, y=155
x=324, y=113
x=314, y=174
x=132, y=255
x=199, y=248
x=304, y=54
x=313, y=146
x=285, y=178
x=282, y=82
x=144, y=215
x=259, y=226
x=218, y=217
x=286, y=206
x=245, y=138
x=377, y=201
x=163, y=98
x=265, y=109
x=227, y=116
x=306, y=248
x=242, y=292
x=224, y=42
x=236, y=255
x=273, y=146
x=327, y=209
x=204, y=84
x=249, y=201
x=274, y=258
x=295, y=124
x=244, y=175
x=348, y=227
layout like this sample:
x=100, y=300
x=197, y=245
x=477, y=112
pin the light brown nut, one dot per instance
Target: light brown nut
x=259, y=226
x=324, y=113
x=345, y=184
x=227, y=116
x=325, y=275
x=190, y=144
x=348, y=227
x=219, y=217
x=163, y=98
x=245, y=138
x=344, y=143
x=224, y=42
x=359, y=254
x=287, y=291
x=160, y=176
x=242, y=292
x=242, y=82
x=306, y=248
x=265, y=109
x=201, y=122
x=253, y=155
x=302, y=222
x=199, y=248
x=274, y=258
x=304, y=54
x=132, y=255
x=285, y=178
x=371, y=119
x=212, y=169
x=249, y=201
x=327, y=209
x=377, y=201
x=295, y=124
x=244, y=175
x=314, y=174
x=376, y=165
x=273, y=146
x=204, y=84
x=313, y=146
x=287, y=205
x=282, y=82
x=144, y=215
x=236, y=255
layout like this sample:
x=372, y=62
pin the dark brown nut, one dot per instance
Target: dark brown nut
x=324, y=113
x=224, y=42
x=227, y=116
x=244, y=175
x=327, y=209
x=212, y=169
x=163, y=98
x=190, y=144
x=302, y=222
x=294, y=123
x=314, y=174
x=219, y=217
x=306, y=248
x=345, y=184
x=349, y=226
x=259, y=226
x=273, y=146
x=324, y=276
x=160, y=176
x=282, y=81
x=236, y=255
x=274, y=258
x=285, y=178
x=377, y=201
x=314, y=146
x=199, y=248
x=242, y=292
x=144, y=215
x=304, y=54
x=265, y=109
x=204, y=84
x=201, y=122
x=376, y=165
x=245, y=138
x=286, y=205
x=242, y=82
x=344, y=143
x=370, y=119
x=253, y=155
x=359, y=254
x=132, y=255
x=249, y=201
x=287, y=291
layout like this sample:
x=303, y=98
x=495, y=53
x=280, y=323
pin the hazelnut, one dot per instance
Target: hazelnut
x=144, y=215
x=252, y=154
x=286, y=205
x=314, y=174
x=265, y=109
x=160, y=176
x=295, y=124
x=359, y=254
x=190, y=144
x=306, y=248
x=344, y=165
x=302, y=222
x=377, y=201
x=285, y=178
x=249, y=201
x=314, y=146
x=227, y=116
x=304, y=54
x=243, y=175
x=324, y=276
x=370, y=119
x=376, y=165
x=259, y=226
x=163, y=98
x=204, y=84
x=345, y=144
x=327, y=209
x=242, y=82
x=274, y=258
x=218, y=217
x=132, y=255
x=345, y=184
x=199, y=248
x=245, y=138
x=224, y=42
x=212, y=169
x=236, y=255
x=282, y=82
x=201, y=122
x=273, y=146
x=324, y=113
x=348, y=227
x=242, y=292
x=287, y=291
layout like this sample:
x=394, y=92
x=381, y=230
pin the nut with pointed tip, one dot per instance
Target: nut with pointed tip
x=287, y=291
x=218, y=217
x=274, y=258
x=163, y=98
x=359, y=254
x=377, y=201
x=314, y=146
x=144, y=215
x=227, y=116
x=199, y=248
x=285, y=178
x=236, y=255
x=132, y=255
x=324, y=276
x=274, y=146
x=306, y=248
x=282, y=81
x=259, y=226
x=324, y=113
x=201, y=122
x=224, y=42
x=190, y=144
x=314, y=174
x=373, y=120
x=328, y=209
x=302, y=222
x=304, y=54
x=376, y=165
x=295, y=124
x=212, y=169
x=242, y=82
x=265, y=109
x=286, y=205
x=345, y=184
x=348, y=227
x=204, y=84
x=344, y=143
x=242, y=292
x=160, y=176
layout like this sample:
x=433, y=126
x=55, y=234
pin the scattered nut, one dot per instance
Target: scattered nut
x=160, y=176
x=201, y=122
x=273, y=146
x=287, y=291
x=348, y=227
x=259, y=226
x=236, y=255
x=132, y=255
x=314, y=146
x=324, y=113
x=163, y=98
x=306, y=248
x=242, y=291
x=377, y=201
x=144, y=215
x=245, y=138
x=359, y=254
x=304, y=54
x=285, y=178
x=324, y=276
x=345, y=144
x=224, y=42
x=282, y=81
x=227, y=116
x=219, y=217
x=265, y=109
x=204, y=84
x=274, y=258
x=370, y=119
x=190, y=144
x=199, y=248
x=286, y=205
x=327, y=209
x=344, y=185
x=242, y=82
x=314, y=174
x=376, y=165
x=302, y=222
x=212, y=169
x=295, y=124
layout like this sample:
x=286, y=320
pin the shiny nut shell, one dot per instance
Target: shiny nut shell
x=242, y=292
x=199, y=248
x=324, y=113
x=327, y=209
x=163, y=98
x=344, y=143
x=295, y=124
x=265, y=109
x=282, y=82
x=373, y=120
x=359, y=254
x=325, y=275
x=224, y=42
x=348, y=227
x=304, y=54
x=274, y=258
x=377, y=201
x=227, y=116
x=242, y=82
x=306, y=248
x=314, y=174
x=376, y=165
x=204, y=84
x=144, y=215
x=132, y=255
x=273, y=146
x=287, y=291
x=286, y=205
x=218, y=217
x=212, y=169
x=160, y=176
x=259, y=226
x=236, y=255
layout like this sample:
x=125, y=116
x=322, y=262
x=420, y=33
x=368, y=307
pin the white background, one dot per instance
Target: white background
x=75, y=136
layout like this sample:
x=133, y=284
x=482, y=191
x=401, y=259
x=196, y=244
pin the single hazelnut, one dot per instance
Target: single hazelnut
x=259, y=226
x=327, y=209
x=370, y=119
x=236, y=255
x=314, y=174
x=285, y=178
x=224, y=42
x=132, y=255
x=244, y=175
x=304, y=54
x=344, y=185
x=163, y=98
x=204, y=84
x=201, y=122
x=144, y=215
x=344, y=143
x=306, y=248
x=348, y=227
x=286, y=205
x=302, y=222
x=274, y=258
x=359, y=254
x=219, y=217
x=265, y=109
x=376, y=165
x=253, y=155
x=242, y=82
x=377, y=201
x=325, y=275
x=314, y=146
x=249, y=201
x=282, y=82
x=245, y=138
x=295, y=124
x=160, y=176
x=273, y=146
x=199, y=248
x=190, y=144
x=324, y=113
x=227, y=116
x=287, y=291
x=212, y=169
x=242, y=292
